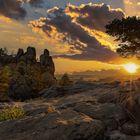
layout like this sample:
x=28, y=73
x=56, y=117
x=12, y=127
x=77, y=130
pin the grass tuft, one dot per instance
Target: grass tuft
x=11, y=113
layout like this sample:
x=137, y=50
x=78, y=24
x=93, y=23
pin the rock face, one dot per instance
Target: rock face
x=46, y=61
x=28, y=75
x=28, y=57
x=72, y=126
x=73, y=116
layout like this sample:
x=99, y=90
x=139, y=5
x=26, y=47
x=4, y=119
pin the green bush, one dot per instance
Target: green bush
x=11, y=113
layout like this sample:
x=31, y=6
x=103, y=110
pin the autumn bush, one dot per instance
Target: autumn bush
x=11, y=113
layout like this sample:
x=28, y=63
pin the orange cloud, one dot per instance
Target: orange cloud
x=82, y=28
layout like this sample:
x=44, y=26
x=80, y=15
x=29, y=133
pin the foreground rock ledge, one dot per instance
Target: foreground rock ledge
x=67, y=125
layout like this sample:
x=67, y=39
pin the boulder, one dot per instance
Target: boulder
x=111, y=114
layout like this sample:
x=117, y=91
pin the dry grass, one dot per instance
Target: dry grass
x=11, y=113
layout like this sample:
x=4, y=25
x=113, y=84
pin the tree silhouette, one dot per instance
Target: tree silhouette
x=65, y=81
x=127, y=33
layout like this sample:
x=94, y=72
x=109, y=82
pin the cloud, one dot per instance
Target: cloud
x=75, y=25
x=94, y=16
x=36, y=3
x=12, y=9
x=132, y=7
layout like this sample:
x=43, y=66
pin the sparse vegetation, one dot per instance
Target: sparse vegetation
x=65, y=81
x=22, y=76
x=11, y=113
x=5, y=76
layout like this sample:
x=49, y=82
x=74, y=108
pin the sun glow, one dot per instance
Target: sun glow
x=131, y=67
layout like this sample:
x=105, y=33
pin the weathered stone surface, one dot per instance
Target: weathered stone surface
x=20, y=53
x=47, y=62
x=59, y=91
x=80, y=113
x=131, y=129
x=102, y=111
x=67, y=125
x=30, y=55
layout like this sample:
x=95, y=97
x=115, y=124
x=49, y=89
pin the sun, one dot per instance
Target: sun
x=131, y=67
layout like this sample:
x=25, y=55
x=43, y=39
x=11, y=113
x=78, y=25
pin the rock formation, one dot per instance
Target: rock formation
x=46, y=61
x=28, y=76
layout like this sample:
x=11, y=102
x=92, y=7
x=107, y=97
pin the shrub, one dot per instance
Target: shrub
x=5, y=75
x=11, y=113
x=65, y=81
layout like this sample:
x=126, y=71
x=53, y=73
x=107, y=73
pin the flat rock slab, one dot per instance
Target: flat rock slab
x=67, y=125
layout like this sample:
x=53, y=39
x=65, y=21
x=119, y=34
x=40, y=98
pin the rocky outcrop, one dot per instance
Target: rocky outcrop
x=67, y=125
x=28, y=57
x=47, y=62
x=81, y=115
x=29, y=76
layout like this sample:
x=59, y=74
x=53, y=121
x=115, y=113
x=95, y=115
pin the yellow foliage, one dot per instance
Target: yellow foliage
x=11, y=113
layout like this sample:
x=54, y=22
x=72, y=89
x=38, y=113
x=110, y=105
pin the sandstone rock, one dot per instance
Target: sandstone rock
x=68, y=125
x=47, y=62
x=30, y=55
x=107, y=112
x=59, y=91
x=20, y=53
x=116, y=135
x=131, y=129
x=24, y=64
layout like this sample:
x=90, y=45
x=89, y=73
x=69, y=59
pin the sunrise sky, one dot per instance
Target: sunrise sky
x=73, y=30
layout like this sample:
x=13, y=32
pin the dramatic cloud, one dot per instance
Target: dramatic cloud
x=94, y=16
x=12, y=9
x=75, y=25
x=36, y=3
x=132, y=7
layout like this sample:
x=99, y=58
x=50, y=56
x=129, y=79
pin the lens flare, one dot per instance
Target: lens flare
x=131, y=67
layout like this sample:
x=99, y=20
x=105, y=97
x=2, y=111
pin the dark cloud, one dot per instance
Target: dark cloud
x=66, y=23
x=95, y=16
x=36, y=3
x=12, y=9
